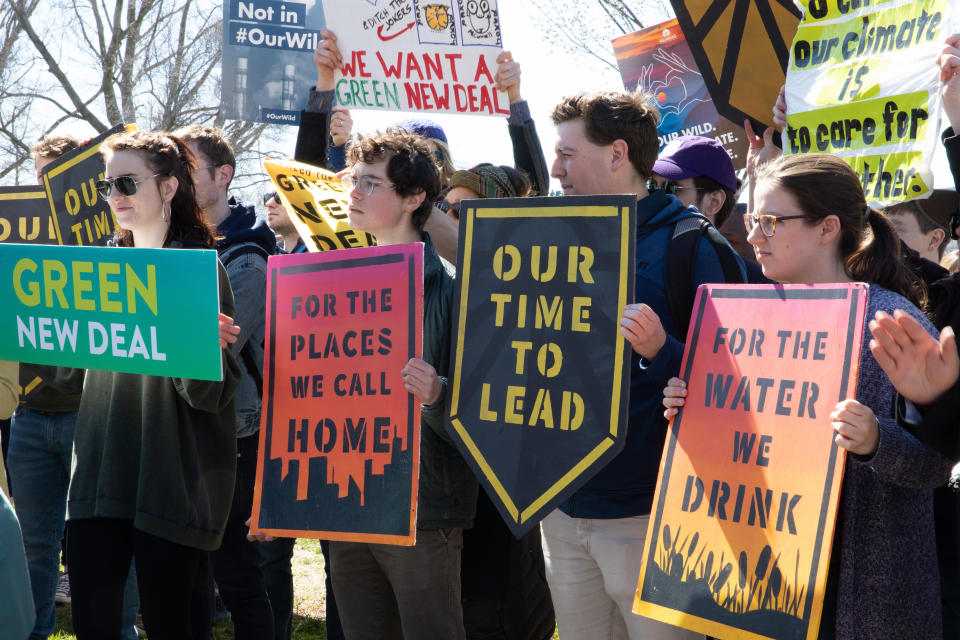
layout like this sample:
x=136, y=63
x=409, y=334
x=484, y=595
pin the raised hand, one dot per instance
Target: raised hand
x=919, y=366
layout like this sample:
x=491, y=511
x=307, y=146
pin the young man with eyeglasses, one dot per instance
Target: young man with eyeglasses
x=386, y=591
x=700, y=173
x=593, y=543
x=244, y=245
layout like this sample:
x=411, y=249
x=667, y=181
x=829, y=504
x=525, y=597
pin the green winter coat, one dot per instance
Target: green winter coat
x=159, y=451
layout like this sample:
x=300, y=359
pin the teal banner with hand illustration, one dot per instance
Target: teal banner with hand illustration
x=149, y=311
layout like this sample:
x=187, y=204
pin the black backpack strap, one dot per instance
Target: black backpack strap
x=678, y=271
x=246, y=357
x=237, y=250
x=725, y=253
x=681, y=260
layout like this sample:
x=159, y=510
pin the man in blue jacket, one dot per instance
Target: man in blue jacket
x=244, y=245
x=593, y=543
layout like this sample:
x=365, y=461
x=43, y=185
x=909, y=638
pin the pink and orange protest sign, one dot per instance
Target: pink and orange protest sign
x=418, y=55
x=340, y=435
x=742, y=525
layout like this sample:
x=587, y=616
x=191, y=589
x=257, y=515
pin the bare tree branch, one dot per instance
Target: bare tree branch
x=54, y=66
x=588, y=27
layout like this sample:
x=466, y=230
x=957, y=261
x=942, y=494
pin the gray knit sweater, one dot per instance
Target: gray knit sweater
x=888, y=582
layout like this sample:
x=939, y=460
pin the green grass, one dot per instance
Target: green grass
x=309, y=608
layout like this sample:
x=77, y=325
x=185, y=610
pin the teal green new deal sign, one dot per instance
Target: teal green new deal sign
x=151, y=311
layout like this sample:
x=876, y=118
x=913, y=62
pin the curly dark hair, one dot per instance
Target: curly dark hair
x=410, y=166
x=167, y=156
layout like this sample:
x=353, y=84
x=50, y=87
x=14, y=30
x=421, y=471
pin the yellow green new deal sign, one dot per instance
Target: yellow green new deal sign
x=150, y=311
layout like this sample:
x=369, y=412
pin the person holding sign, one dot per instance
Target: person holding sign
x=386, y=591
x=593, y=544
x=320, y=115
x=812, y=225
x=504, y=589
x=243, y=246
x=155, y=457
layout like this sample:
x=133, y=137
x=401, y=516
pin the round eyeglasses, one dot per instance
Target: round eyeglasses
x=366, y=183
x=767, y=222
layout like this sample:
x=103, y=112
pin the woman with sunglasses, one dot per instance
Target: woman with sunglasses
x=482, y=181
x=154, y=457
x=811, y=226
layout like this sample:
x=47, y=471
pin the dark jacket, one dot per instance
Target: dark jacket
x=50, y=389
x=159, y=451
x=527, y=152
x=940, y=427
x=884, y=541
x=245, y=243
x=625, y=487
x=504, y=583
x=448, y=489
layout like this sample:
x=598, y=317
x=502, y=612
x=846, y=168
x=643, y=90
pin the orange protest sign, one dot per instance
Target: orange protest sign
x=743, y=519
x=340, y=435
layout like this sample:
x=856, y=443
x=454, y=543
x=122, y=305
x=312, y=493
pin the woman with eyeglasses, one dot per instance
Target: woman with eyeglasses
x=154, y=457
x=812, y=225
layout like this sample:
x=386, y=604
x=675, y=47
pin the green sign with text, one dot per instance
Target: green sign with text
x=150, y=311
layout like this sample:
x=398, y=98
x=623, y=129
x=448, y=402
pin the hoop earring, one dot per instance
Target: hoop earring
x=165, y=212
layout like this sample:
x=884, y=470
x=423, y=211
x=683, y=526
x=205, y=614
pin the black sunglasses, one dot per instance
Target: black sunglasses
x=272, y=194
x=669, y=187
x=126, y=185
x=445, y=206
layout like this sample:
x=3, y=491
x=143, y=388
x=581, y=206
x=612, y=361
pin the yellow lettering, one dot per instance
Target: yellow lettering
x=568, y=423
x=581, y=314
x=499, y=299
x=72, y=201
x=147, y=293
x=521, y=347
x=511, y=413
x=542, y=410
x=485, y=412
x=32, y=298
x=551, y=270
x=554, y=350
x=80, y=285
x=54, y=281
x=580, y=258
x=514, y=254
x=551, y=315
x=108, y=286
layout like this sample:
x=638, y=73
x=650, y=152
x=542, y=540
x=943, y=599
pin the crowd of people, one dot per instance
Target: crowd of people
x=154, y=476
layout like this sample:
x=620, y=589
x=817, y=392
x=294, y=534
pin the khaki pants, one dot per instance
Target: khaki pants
x=592, y=569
